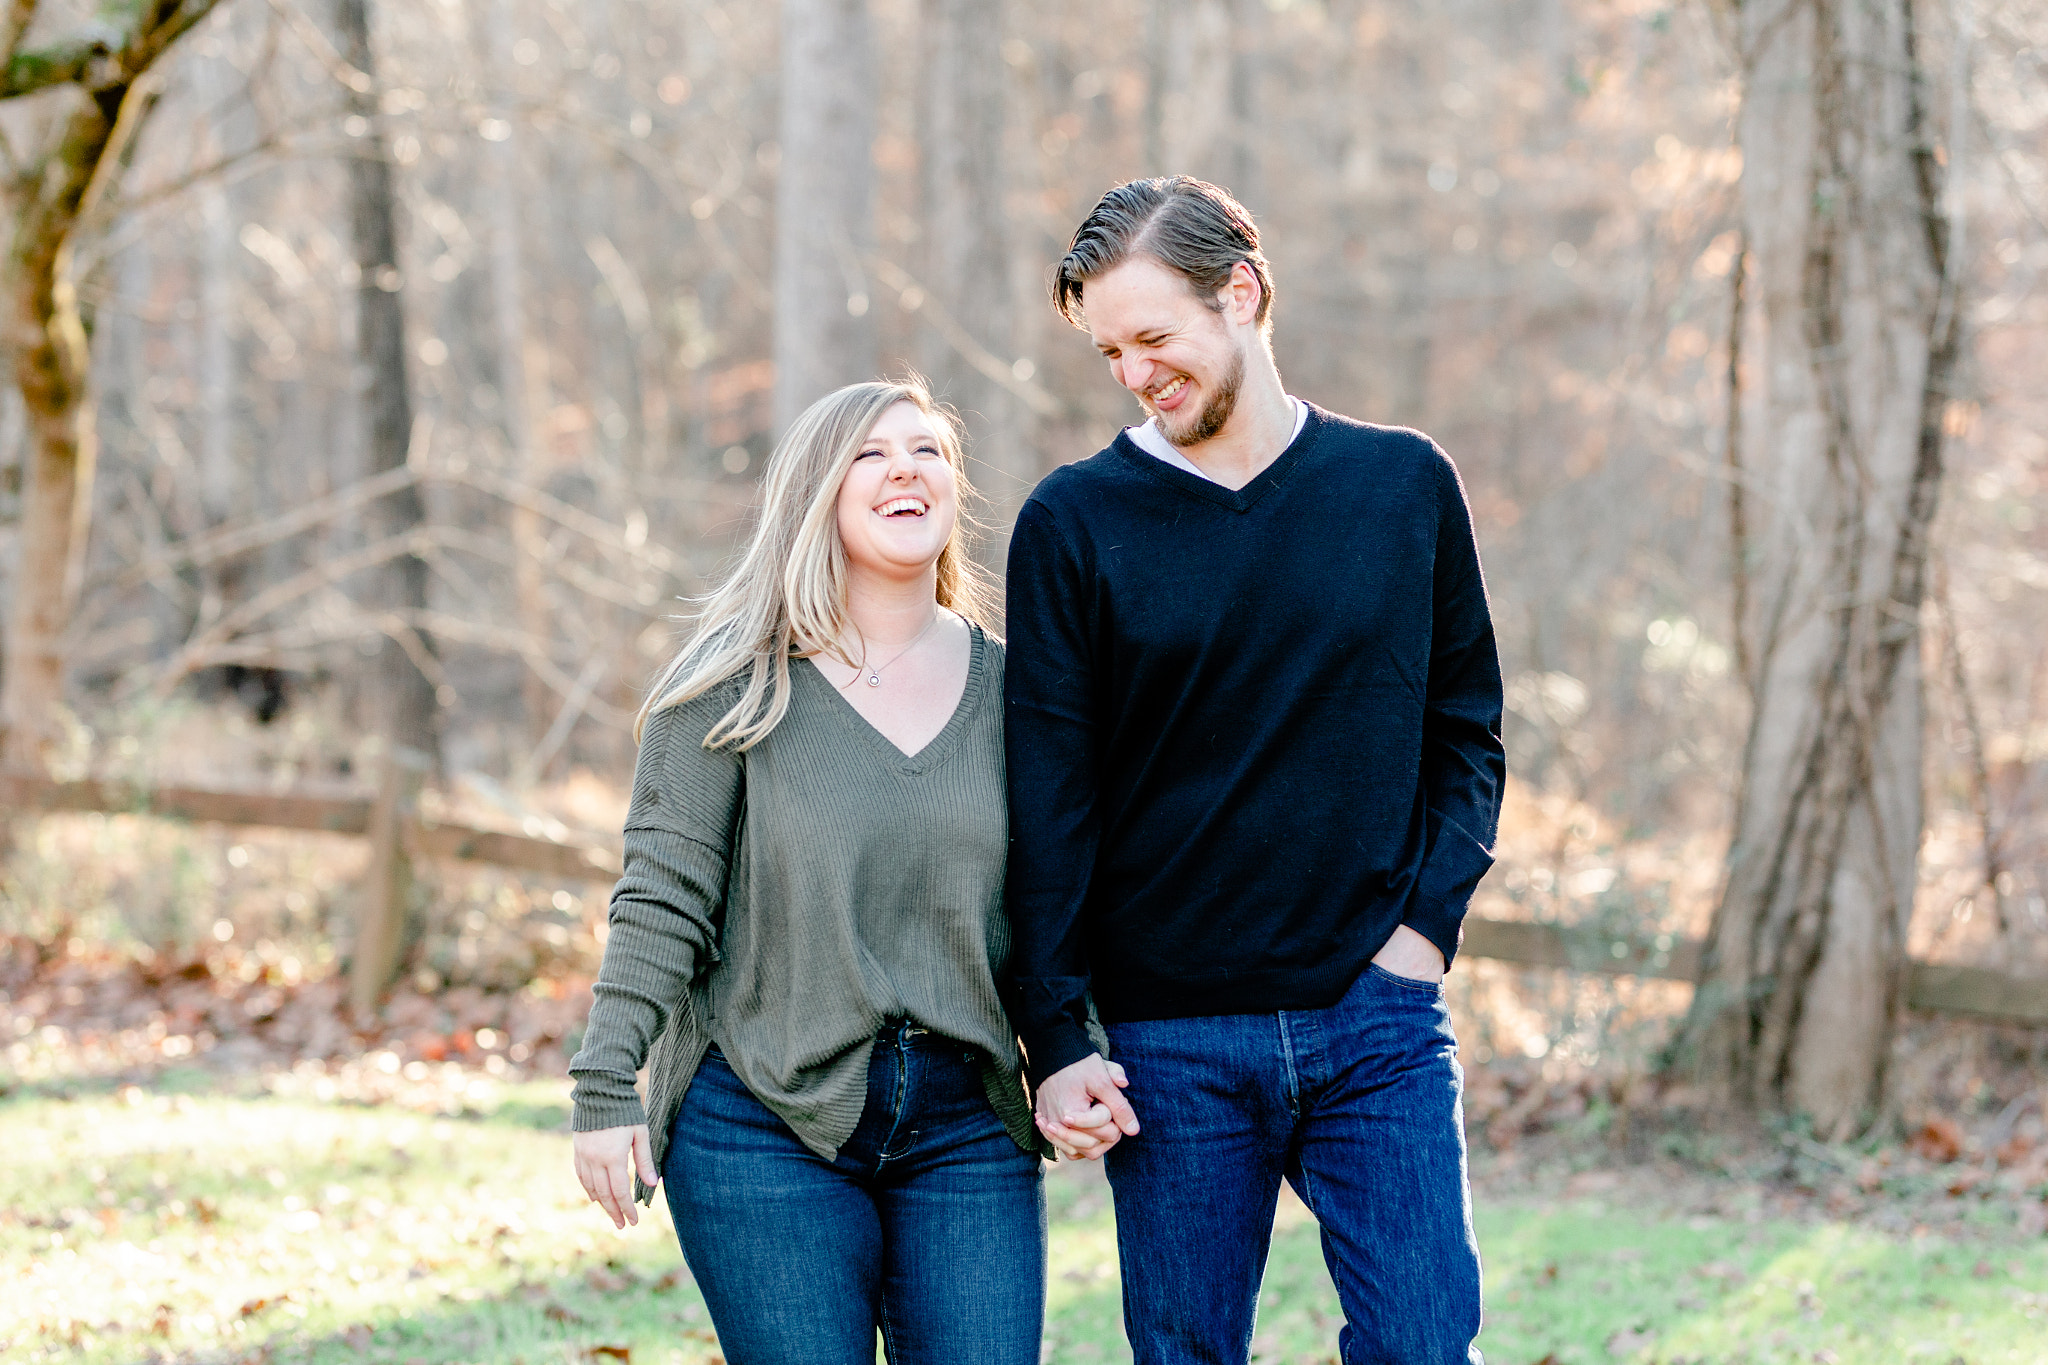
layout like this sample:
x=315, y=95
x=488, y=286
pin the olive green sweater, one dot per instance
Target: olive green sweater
x=785, y=902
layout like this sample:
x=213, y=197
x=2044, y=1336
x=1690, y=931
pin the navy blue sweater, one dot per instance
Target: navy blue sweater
x=1249, y=732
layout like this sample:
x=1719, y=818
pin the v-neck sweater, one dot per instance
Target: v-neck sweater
x=786, y=901
x=1251, y=731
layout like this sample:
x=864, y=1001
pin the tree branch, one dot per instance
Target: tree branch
x=81, y=58
x=107, y=52
x=307, y=32
x=14, y=27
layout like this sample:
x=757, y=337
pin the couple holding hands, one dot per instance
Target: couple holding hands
x=1200, y=837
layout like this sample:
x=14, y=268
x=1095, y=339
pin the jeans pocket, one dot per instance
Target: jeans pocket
x=1431, y=989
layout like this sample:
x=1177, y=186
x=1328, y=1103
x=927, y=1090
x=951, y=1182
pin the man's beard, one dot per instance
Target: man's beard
x=1215, y=413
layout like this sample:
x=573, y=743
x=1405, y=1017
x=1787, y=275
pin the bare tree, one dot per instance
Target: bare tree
x=96, y=79
x=515, y=354
x=967, y=241
x=401, y=694
x=824, y=325
x=1849, y=344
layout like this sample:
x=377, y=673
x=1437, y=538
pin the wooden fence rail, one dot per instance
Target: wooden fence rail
x=1937, y=986
x=347, y=813
x=1942, y=987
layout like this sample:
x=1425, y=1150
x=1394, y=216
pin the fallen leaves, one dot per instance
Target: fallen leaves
x=1939, y=1140
x=610, y=1279
x=99, y=1009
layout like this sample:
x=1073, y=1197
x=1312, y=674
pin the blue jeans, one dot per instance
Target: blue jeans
x=1358, y=1107
x=930, y=1224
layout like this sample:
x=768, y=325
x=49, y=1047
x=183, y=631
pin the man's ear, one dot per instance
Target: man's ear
x=1240, y=295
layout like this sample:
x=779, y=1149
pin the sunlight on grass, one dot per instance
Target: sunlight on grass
x=1585, y=1282
x=136, y=1226
x=182, y=1224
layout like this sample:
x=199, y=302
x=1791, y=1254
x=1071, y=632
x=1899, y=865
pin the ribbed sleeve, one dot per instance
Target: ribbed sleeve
x=665, y=910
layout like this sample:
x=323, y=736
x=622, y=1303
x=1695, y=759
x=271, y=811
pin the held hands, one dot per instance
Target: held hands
x=605, y=1161
x=1081, y=1109
x=1411, y=955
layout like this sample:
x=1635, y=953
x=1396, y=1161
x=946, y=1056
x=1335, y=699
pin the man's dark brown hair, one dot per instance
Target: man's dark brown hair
x=1191, y=227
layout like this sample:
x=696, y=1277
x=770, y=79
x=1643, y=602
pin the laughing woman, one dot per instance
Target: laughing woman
x=809, y=930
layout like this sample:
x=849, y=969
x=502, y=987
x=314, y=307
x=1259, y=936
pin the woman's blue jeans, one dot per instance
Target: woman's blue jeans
x=1358, y=1108
x=930, y=1225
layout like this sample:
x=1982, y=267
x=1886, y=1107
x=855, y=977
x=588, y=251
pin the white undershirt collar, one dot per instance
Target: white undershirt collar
x=1148, y=438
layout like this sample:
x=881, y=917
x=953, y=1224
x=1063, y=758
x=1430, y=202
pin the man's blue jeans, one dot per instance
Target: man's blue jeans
x=930, y=1225
x=1358, y=1107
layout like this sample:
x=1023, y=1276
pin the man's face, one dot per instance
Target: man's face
x=1182, y=359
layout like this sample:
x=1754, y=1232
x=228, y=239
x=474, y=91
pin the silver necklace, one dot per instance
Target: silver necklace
x=875, y=674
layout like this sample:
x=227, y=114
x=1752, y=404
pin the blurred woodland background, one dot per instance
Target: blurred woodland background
x=408, y=362
x=427, y=356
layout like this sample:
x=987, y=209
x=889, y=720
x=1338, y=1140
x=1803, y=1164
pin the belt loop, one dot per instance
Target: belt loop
x=900, y=1031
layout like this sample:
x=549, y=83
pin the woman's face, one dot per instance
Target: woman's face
x=898, y=502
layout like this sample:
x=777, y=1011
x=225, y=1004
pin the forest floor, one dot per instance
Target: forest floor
x=204, y=1161
x=216, y=1214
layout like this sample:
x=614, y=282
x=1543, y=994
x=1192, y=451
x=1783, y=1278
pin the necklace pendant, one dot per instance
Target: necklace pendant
x=874, y=680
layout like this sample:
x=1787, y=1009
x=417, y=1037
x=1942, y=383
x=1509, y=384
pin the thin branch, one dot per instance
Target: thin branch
x=573, y=707
x=14, y=27
x=100, y=54
x=498, y=551
x=110, y=209
x=1980, y=767
x=114, y=157
x=279, y=648
x=422, y=541
x=224, y=542
x=911, y=294
x=602, y=533
x=154, y=41
x=528, y=647
x=289, y=590
x=1738, y=512
x=329, y=56
x=85, y=57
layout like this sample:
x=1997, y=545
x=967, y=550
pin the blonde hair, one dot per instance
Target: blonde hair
x=787, y=596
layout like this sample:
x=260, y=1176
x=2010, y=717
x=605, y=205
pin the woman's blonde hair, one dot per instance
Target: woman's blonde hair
x=787, y=596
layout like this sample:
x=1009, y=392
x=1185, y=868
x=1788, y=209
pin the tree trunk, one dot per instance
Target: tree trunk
x=966, y=242
x=51, y=369
x=824, y=324
x=1158, y=71
x=1247, y=61
x=400, y=694
x=1850, y=341
x=225, y=492
x=517, y=359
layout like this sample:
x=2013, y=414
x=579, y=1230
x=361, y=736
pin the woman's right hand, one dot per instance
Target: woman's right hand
x=605, y=1161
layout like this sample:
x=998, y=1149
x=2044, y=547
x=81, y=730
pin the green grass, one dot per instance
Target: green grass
x=211, y=1228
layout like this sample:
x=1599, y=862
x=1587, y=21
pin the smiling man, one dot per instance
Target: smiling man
x=1253, y=727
